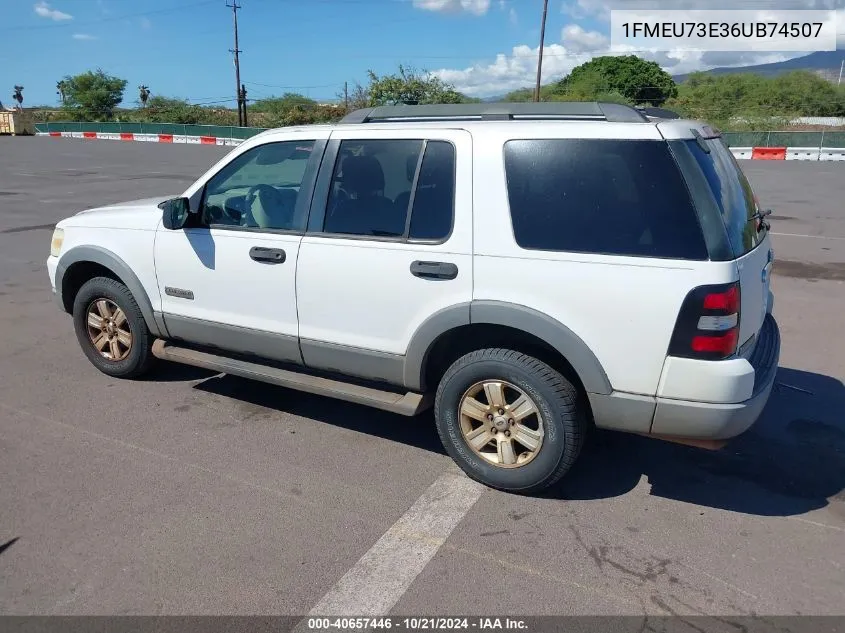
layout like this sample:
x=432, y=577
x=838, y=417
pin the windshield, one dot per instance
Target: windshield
x=732, y=191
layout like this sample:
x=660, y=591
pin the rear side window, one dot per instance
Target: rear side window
x=732, y=191
x=601, y=196
x=434, y=196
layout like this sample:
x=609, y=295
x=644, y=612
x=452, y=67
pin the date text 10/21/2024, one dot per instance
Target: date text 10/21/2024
x=417, y=624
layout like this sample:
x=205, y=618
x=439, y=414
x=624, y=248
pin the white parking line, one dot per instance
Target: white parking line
x=815, y=237
x=382, y=575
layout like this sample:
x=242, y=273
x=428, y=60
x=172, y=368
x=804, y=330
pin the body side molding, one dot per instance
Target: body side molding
x=423, y=339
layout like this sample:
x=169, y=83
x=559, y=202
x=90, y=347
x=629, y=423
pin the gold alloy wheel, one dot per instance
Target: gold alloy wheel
x=109, y=329
x=501, y=424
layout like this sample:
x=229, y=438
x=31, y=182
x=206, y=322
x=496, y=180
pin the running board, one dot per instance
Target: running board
x=409, y=404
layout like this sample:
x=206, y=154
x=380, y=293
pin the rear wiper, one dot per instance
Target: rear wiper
x=761, y=216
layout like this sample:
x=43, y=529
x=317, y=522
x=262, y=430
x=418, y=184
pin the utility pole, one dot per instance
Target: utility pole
x=346, y=95
x=841, y=68
x=243, y=99
x=540, y=56
x=241, y=107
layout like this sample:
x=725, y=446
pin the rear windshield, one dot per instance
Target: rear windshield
x=732, y=191
x=601, y=196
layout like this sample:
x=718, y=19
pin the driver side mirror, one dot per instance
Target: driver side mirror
x=175, y=213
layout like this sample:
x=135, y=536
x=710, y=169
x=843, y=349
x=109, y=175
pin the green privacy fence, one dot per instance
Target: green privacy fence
x=220, y=131
x=734, y=139
x=785, y=139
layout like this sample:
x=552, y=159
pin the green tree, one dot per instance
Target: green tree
x=804, y=93
x=627, y=78
x=411, y=86
x=170, y=110
x=143, y=95
x=280, y=105
x=93, y=95
x=753, y=101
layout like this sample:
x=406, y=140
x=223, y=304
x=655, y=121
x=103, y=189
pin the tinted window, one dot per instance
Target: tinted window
x=601, y=196
x=259, y=189
x=434, y=199
x=732, y=192
x=371, y=187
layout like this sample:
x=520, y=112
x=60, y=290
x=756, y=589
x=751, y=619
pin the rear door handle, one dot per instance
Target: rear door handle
x=267, y=255
x=434, y=270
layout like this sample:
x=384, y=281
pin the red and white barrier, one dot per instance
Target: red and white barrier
x=741, y=153
x=789, y=153
x=149, y=138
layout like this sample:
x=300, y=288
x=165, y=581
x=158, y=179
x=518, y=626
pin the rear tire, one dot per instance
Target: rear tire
x=111, y=329
x=537, y=427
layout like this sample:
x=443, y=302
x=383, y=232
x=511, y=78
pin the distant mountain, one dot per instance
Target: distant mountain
x=826, y=63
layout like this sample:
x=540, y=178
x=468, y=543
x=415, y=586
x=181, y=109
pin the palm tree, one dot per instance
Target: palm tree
x=144, y=93
x=18, y=96
x=61, y=88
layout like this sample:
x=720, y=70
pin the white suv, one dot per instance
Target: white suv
x=536, y=268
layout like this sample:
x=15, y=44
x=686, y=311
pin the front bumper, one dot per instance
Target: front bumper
x=719, y=421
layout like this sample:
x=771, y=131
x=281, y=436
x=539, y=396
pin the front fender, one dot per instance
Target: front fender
x=107, y=259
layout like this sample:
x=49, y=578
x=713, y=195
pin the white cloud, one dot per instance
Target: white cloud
x=512, y=71
x=576, y=39
x=84, y=36
x=476, y=7
x=145, y=23
x=45, y=11
x=513, y=17
x=517, y=69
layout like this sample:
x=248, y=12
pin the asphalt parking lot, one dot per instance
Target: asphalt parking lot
x=193, y=493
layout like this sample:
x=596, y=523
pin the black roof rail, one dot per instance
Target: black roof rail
x=659, y=113
x=549, y=110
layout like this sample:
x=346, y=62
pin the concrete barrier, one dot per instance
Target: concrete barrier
x=832, y=153
x=742, y=153
x=802, y=153
x=768, y=153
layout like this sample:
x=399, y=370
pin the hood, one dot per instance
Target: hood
x=133, y=214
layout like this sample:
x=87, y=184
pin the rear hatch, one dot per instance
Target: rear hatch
x=747, y=233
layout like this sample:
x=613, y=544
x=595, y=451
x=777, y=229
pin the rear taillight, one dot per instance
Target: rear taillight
x=708, y=323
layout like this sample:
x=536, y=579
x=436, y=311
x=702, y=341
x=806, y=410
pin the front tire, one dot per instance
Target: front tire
x=509, y=420
x=111, y=329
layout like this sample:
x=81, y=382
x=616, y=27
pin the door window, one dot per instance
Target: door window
x=260, y=188
x=394, y=188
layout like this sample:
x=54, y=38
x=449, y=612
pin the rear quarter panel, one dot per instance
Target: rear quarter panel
x=623, y=308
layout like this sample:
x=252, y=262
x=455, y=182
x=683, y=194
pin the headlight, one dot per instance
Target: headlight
x=56, y=244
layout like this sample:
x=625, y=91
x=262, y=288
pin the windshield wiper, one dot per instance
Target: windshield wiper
x=761, y=216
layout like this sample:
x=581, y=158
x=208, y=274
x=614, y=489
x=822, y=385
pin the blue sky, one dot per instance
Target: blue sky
x=180, y=48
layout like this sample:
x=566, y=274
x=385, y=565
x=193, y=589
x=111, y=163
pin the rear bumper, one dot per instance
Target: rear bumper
x=719, y=421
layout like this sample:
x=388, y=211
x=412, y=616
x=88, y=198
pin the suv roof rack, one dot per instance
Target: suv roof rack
x=659, y=113
x=554, y=110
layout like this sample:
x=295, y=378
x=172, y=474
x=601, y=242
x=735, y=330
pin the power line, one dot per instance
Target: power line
x=255, y=83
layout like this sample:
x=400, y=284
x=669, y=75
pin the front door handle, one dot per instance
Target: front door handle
x=434, y=270
x=267, y=255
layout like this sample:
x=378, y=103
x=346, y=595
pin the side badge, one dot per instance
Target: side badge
x=178, y=292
